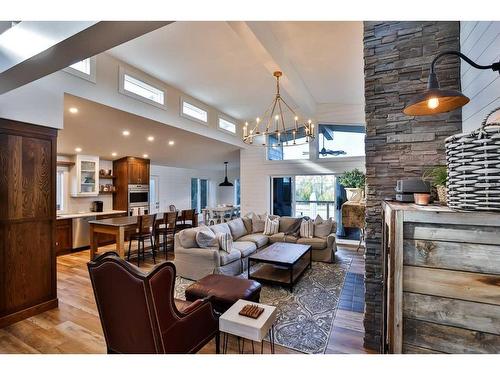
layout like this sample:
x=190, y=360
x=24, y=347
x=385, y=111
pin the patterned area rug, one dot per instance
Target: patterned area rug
x=305, y=317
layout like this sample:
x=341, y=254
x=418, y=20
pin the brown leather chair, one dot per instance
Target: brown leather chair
x=139, y=313
x=168, y=230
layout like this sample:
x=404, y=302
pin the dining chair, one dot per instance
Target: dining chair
x=144, y=231
x=187, y=219
x=166, y=228
x=172, y=208
x=213, y=218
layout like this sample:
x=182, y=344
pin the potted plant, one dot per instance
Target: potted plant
x=354, y=184
x=437, y=177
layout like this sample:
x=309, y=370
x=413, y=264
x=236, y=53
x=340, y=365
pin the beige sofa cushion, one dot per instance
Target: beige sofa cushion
x=221, y=228
x=281, y=237
x=316, y=242
x=187, y=237
x=244, y=247
x=237, y=227
x=257, y=238
x=258, y=222
x=226, y=258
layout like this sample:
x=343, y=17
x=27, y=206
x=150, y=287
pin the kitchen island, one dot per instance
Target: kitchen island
x=116, y=226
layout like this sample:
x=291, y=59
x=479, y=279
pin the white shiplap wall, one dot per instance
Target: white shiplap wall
x=481, y=42
x=256, y=174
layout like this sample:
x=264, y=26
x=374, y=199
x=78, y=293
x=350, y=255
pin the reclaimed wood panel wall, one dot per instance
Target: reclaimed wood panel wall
x=450, y=281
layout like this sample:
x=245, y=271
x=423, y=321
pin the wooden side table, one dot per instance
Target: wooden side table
x=353, y=216
x=248, y=328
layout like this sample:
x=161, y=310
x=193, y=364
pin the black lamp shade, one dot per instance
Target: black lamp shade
x=226, y=181
x=448, y=101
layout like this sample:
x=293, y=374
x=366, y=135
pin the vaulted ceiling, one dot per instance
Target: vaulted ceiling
x=229, y=65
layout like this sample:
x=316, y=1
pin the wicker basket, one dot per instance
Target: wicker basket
x=474, y=168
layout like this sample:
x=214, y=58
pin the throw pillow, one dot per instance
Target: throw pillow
x=187, y=237
x=258, y=223
x=294, y=229
x=322, y=228
x=271, y=226
x=225, y=242
x=307, y=229
x=237, y=227
x=205, y=238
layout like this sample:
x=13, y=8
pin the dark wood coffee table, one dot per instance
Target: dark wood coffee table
x=280, y=263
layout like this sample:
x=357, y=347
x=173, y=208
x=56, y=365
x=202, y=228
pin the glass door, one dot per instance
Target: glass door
x=154, y=194
x=282, y=196
x=88, y=176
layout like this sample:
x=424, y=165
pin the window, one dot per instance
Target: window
x=341, y=141
x=193, y=112
x=237, y=195
x=297, y=152
x=227, y=125
x=82, y=66
x=141, y=90
x=84, y=69
x=315, y=195
x=199, y=194
x=60, y=191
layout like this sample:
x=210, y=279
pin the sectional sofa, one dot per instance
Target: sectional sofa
x=193, y=262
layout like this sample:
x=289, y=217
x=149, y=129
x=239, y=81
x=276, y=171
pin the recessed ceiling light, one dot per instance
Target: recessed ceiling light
x=126, y=133
x=78, y=149
x=145, y=156
x=73, y=110
x=151, y=138
x=171, y=143
x=114, y=154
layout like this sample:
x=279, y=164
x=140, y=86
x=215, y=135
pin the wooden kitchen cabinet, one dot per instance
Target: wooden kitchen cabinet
x=138, y=171
x=64, y=236
x=442, y=280
x=128, y=171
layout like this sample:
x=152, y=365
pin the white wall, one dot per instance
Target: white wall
x=481, y=42
x=175, y=185
x=42, y=102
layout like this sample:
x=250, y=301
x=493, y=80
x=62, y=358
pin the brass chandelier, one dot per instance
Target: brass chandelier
x=279, y=126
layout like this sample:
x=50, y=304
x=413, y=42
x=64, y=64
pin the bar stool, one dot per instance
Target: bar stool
x=187, y=215
x=168, y=230
x=144, y=230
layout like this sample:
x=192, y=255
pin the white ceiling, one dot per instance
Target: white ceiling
x=211, y=62
x=97, y=129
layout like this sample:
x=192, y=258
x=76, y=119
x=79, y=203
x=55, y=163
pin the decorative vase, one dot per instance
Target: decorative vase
x=354, y=194
x=442, y=191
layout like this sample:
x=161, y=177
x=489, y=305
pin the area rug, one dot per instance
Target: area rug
x=305, y=317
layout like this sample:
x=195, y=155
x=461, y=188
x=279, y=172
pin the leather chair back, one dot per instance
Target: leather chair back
x=138, y=311
x=123, y=300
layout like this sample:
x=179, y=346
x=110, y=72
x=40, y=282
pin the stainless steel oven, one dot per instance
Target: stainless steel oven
x=138, y=196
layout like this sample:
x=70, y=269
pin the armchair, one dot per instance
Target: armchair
x=139, y=313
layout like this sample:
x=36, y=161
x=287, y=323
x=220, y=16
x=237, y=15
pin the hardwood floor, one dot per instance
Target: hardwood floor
x=74, y=327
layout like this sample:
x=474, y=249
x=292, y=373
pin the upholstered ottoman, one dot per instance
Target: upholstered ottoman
x=225, y=290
